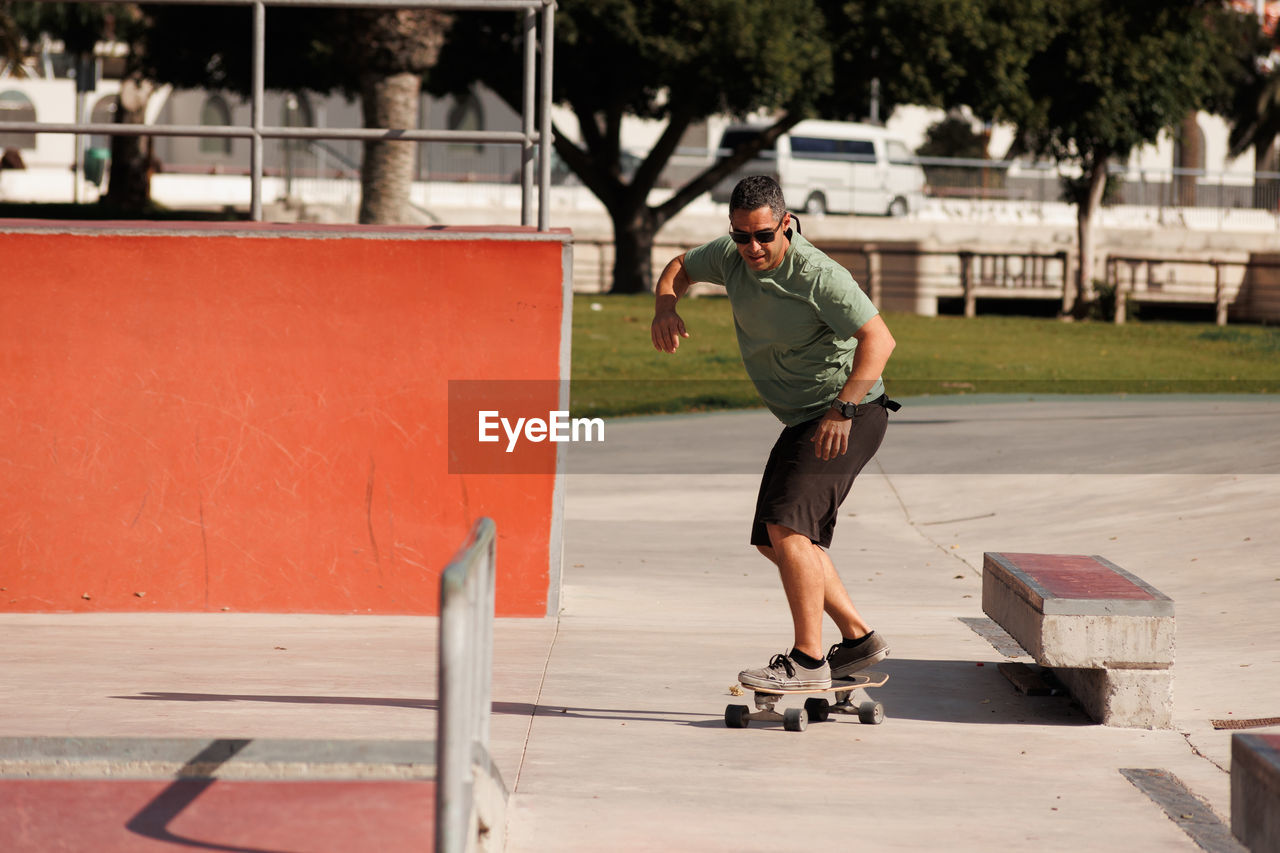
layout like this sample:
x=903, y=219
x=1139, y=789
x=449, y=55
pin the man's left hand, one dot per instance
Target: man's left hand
x=832, y=438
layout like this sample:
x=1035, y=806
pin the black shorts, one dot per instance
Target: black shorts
x=801, y=491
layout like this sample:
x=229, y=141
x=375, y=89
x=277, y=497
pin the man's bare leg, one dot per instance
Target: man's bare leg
x=838, y=604
x=812, y=586
x=835, y=598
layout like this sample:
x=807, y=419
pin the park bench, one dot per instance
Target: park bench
x=1106, y=634
x=1255, y=790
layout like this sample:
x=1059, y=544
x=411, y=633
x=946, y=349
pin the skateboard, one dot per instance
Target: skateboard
x=851, y=698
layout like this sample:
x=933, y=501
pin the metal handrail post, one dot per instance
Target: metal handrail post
x=465, y=672
x=255, y=142
x=482, y=630
x=454, y=786
x=544, y=131
x=526, y=115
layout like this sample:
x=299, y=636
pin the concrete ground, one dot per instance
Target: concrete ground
x=608, y=719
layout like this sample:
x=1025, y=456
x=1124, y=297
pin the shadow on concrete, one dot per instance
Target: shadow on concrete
x=421, y=704
x=519, y=709
x=972, y=692
x=154, y=818
x=949, y=691
x=944, y=691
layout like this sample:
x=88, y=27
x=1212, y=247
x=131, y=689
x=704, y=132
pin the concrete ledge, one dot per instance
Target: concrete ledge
x=1083, y=641
x=1076, y=611
x=1106, y=633
x=1129, y=698
x=1255, y=790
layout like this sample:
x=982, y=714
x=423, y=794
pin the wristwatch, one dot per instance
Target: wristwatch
x=846, y=410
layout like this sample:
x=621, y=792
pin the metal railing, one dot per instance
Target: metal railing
x=1164, y=195
x=465, y=684
x=536, y=85
x=1217, y=282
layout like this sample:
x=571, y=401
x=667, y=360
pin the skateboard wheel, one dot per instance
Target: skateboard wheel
x=737, y=716
x=871, y=713
x=795, y=719
x=819, y=709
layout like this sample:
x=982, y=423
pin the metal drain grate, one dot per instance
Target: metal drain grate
x=1190, y=812
x=1259, y=723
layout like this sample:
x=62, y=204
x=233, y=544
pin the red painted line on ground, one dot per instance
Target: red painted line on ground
x=132, y=816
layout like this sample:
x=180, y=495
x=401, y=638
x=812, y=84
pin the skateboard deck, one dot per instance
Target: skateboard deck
x=851, y=698
x=853, y=682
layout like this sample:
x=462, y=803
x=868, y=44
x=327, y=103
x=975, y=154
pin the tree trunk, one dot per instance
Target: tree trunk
x=388, y=101
x=1190, y=152
x=633, y=233
x=1266, y=190
x=1084, y=231
x=129, y=187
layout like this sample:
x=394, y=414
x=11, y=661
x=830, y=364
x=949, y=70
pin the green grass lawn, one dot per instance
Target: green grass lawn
x=617, y=371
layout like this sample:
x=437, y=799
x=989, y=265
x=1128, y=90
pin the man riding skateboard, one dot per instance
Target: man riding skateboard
x=814, y=347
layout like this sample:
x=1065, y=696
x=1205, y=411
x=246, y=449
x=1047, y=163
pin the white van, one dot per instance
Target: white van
x=833, y=166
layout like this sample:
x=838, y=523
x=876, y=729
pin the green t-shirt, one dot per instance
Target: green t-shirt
x=795, y=323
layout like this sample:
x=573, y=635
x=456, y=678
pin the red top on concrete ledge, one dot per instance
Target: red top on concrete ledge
x=1077, y=584
x=1077, y=576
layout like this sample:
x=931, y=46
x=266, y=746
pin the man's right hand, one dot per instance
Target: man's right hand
x=667, y=330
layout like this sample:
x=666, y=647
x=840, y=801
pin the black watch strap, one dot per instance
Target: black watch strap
x=846, y=410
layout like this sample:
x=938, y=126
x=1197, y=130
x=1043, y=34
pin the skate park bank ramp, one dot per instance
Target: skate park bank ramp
x=256, y=418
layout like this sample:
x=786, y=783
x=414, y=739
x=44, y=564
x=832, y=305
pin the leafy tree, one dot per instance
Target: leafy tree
x=990, y=50
x=11, y=47
x=1256, y=126
x=1108, y=78
x=80, y=26
x=129, y=184
x=954, y=137
x=680, y=61
x=379, y=55
x=908, y=52
x=1253, y=105
x=672, y=60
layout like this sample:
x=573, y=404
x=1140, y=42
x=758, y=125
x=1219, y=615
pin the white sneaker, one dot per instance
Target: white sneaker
x=784, y=673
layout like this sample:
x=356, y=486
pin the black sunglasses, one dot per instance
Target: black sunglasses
x=742, y=238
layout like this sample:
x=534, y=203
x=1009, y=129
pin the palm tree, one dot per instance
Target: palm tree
x=392, y=50
x=379, y=55
x=1251, y=97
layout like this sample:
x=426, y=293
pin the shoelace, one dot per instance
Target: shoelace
x=781, y=660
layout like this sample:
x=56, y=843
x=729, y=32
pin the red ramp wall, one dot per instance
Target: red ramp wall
x=254, y=418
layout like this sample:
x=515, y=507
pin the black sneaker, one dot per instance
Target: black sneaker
x=846, y=661
x=785, y=673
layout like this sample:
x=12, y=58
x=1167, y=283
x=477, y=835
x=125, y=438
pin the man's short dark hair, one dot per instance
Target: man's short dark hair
x=755, y=192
